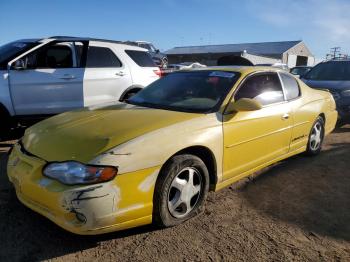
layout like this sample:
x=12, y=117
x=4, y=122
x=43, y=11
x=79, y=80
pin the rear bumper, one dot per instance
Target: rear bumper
x=85, y=210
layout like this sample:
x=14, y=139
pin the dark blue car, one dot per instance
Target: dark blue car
x=333, y=75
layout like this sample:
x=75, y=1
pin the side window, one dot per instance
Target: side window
x=56, y=56
x=291, y=87
x=141, y=58
x=265, y=88
x=101, y=57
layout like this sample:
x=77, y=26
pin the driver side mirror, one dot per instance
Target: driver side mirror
x=243, y=104
x=19, y=65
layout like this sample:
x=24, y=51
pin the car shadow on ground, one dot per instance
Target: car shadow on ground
x=310, y=192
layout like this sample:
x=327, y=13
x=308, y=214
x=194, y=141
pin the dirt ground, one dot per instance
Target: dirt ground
x=298, y=210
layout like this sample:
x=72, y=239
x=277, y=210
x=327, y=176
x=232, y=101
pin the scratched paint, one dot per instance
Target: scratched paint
x=96, y=205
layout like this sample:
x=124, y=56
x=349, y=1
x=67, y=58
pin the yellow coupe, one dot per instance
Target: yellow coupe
x=155, y=157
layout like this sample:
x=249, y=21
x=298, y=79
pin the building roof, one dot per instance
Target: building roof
x=267, y=48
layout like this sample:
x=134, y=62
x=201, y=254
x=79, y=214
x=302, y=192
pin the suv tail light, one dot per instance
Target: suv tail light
x=158, y=72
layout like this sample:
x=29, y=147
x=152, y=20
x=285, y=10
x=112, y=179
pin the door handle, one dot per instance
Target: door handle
x=67, y=77
x=285, y=116
x=120, y=73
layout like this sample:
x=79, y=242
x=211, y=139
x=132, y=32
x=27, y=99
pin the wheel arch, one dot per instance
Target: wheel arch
x=207, y=156
x=129, y=89
x=323, y=116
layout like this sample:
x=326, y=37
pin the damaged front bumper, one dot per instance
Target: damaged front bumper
x=122, y=203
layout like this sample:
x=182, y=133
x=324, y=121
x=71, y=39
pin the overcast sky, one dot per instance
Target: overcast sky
x=322, y=24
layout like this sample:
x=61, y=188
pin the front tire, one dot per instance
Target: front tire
x=316, y=136
x=180, y=191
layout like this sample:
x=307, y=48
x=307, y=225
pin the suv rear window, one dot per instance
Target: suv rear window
x=332, y=71
x=101, y=57
x=141, y=58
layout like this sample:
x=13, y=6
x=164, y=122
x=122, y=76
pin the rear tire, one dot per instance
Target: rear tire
x=180, y=191
x=316, y=136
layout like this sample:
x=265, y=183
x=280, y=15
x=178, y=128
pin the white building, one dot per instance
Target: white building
x=292, y=53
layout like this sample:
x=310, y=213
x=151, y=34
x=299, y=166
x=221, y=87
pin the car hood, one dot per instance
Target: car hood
x=331, y=85
x=84, y=134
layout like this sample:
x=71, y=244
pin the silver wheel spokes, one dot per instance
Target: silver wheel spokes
x=316, y=136
x=184, y=192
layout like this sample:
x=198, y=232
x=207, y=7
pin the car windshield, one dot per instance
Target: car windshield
x=13, y=49
x=331, y=71
x=191, y=91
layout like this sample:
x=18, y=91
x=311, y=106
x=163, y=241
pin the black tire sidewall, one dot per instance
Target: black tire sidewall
x=161, y=214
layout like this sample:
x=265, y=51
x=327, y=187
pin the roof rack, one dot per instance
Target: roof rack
x=59, y=37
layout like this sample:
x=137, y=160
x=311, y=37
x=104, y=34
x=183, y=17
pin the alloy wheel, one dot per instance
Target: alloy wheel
x=316, y=136
x=184, y=192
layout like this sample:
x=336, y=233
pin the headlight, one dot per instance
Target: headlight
x=72, y=172
x=346, y=93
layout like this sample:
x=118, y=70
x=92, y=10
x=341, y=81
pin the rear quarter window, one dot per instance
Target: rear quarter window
x=141, y=58
x=291, y=87
x=98, y=57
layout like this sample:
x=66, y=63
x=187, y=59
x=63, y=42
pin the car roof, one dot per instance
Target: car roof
x=337, y=60
x=239, y=69
x=123, y=44
x=74, y=38
x=29, y=40
x=142, y=42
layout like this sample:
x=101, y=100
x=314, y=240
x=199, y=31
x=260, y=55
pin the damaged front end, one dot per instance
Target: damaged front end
x=118, y=203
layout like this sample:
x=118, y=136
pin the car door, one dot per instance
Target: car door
x=49, y=80
x=302, y=112
x=106, y=76
x=252, y=138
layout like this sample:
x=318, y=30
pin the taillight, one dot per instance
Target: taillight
x=158, y=72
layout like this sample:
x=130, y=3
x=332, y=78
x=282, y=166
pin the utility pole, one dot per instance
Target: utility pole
x=335, y=51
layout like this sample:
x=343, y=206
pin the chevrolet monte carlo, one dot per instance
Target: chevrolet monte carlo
x=154, y=158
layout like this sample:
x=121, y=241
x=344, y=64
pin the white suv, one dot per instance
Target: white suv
x=53, y=75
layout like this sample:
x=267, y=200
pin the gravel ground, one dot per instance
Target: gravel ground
x=297, y=210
